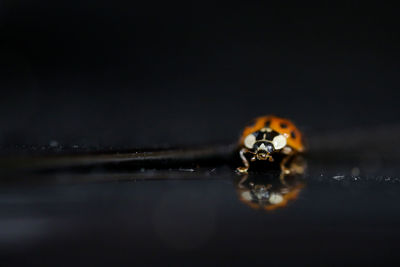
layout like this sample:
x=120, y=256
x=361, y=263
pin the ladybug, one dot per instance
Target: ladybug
x=269, y=138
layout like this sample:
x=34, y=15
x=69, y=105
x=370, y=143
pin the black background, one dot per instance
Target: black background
x=101, y=74
x=114, y=73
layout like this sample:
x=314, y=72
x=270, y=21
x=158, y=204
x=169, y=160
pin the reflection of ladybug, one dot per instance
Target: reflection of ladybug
x=269, y=136
x=269, y=196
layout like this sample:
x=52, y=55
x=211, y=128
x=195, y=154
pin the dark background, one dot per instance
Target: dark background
x=120, y=74
x=115, y=73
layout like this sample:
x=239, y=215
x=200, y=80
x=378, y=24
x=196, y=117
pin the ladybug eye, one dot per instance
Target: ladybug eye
x=279, y=141
x=249, y=141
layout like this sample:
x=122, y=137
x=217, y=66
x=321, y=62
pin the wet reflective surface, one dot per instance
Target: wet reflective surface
x=197, y=215
x=343, y=209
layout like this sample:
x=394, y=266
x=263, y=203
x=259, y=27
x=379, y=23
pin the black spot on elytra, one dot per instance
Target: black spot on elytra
x=283, y=125
x=267, y=123
x=293, y=134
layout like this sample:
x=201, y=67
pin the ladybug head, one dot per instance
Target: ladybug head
x=263, y=149
x=263, y=143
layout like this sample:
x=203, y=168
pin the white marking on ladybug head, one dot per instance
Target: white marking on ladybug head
x=262, y=147
x=266, y=129
x=279, y=141
x=249, y=141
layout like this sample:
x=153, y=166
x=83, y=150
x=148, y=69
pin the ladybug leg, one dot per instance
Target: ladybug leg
x=293, y=164
x=284, y=168
x=244, y=160
x=297, y=165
